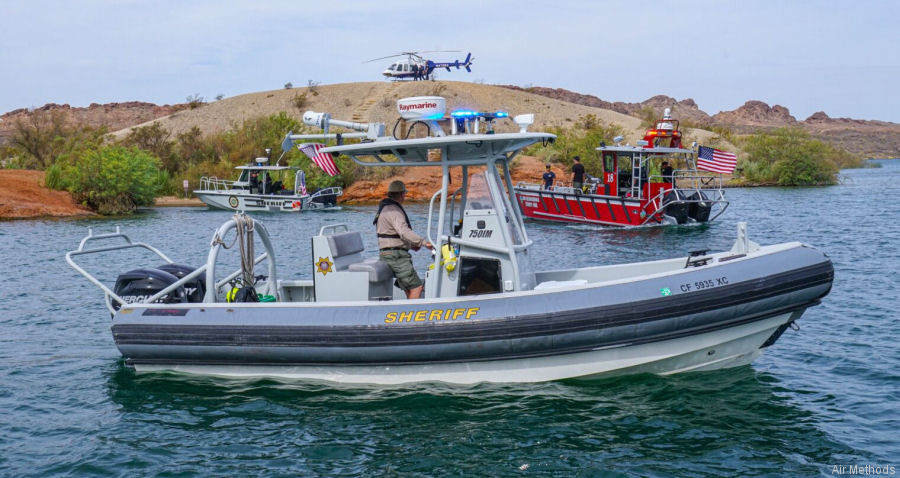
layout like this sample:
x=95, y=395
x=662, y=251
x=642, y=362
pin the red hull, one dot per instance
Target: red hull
x=587, y=208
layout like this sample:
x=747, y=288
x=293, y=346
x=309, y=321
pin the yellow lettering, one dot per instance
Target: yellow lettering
x=435, y=314
x=391, y=317
x=457, y=313
x=471, y=312
x=406, y=316
x=420, y=315
x=447, y=314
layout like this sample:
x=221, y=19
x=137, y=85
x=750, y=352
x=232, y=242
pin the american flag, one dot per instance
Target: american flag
x=323, y=160
x=717, y=161
x=302, y=191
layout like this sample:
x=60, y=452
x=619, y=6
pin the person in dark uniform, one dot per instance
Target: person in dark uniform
x=254, y=182
x=578, y=175
x=548, y=178
x=666, y=172
x=396, y=238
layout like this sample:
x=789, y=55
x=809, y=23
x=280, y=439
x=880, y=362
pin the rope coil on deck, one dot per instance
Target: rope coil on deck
x=243, y=226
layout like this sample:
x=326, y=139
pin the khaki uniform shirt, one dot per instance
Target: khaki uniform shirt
x=392, y=221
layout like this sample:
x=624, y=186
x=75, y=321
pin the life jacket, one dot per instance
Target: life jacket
x=390, y=202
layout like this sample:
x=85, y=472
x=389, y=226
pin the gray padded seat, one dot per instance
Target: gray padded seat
x=347, y=249
x=378, y=270
x=345, y=244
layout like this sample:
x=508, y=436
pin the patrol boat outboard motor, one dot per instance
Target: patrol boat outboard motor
x=139, y=285
x=677, y=210
x=194, y=290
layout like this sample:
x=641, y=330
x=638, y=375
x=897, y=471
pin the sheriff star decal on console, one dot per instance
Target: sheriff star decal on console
x=324, y=265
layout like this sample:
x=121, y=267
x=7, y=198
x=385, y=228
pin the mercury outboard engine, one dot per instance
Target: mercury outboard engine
x=139, y=285
x=699, y=207
x=194, y=290
x=677, y=210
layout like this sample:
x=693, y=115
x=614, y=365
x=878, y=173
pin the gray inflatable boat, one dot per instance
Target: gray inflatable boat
x=487, y=315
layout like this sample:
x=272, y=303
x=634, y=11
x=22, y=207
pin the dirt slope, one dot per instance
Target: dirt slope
x=23, y=195
x=376, y=101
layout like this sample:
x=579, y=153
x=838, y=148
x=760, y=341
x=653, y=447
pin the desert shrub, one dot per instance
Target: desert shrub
x=108, y=179
x=37, y=141
x=195, y=101
x=155, y=139
x=791, y=157
x=578, y=141
x=191, y=148
x=300, y=101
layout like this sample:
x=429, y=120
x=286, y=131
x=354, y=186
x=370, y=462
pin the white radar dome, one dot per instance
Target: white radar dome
x=422, y=107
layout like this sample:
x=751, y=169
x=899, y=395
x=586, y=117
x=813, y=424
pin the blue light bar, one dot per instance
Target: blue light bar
x=464, y=114
x=501, y=114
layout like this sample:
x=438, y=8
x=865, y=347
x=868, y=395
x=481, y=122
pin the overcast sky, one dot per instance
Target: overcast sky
x=840, y=57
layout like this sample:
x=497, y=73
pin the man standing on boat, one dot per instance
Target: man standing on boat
x=578, y=175
x=548, y=177
x=396, y=238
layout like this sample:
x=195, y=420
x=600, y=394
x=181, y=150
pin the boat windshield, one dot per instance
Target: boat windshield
x=478, y=194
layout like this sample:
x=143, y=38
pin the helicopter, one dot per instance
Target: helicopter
x=416, y=67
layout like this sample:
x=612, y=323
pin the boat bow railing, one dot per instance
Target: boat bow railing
x=212, y=183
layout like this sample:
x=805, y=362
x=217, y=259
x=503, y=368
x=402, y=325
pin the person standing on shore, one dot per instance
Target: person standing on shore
x=578, y=175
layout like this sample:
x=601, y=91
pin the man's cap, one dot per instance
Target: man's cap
x=397, y=187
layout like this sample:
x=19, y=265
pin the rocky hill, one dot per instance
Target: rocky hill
x=114, y=116
x=879, y=139
x=375, y=101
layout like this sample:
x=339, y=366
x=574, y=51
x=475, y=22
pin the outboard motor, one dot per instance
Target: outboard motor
x=326, y=199
x=677, y=210
x=699, y=207
x=139, y=285
x=194, y=290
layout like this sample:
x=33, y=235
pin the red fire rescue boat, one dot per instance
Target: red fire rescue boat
x=634, y=188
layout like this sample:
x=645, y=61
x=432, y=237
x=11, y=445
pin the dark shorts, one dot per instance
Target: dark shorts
x=401, y=264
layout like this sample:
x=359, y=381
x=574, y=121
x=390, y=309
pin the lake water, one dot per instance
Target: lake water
x=822, y=397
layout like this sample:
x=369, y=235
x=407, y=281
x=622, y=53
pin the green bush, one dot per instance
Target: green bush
x=109, y=179
x=791, y=157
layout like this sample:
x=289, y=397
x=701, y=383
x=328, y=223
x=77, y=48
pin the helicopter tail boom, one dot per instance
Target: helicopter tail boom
x=467, y=63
